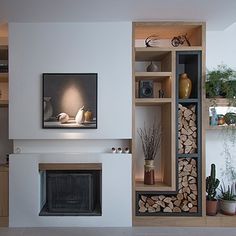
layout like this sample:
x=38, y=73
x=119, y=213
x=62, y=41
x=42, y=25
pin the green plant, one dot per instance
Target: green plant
x=151, y=139
x=212, y=184
x=220, y=83
x=227, y=193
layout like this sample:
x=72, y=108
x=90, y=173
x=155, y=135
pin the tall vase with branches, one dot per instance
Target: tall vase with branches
x=150, y=139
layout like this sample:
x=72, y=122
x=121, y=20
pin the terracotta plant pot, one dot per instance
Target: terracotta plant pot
x=228, y=207
x=211, y=207
x=185, y=86
x=149, y=172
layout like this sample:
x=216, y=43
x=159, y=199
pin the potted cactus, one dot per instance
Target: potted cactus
x=212, y=184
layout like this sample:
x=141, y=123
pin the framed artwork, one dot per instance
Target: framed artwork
x=69, y=101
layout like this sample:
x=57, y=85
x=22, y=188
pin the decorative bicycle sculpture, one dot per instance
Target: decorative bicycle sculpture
x=180, y=40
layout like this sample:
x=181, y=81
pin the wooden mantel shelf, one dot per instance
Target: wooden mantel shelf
x=70, y=166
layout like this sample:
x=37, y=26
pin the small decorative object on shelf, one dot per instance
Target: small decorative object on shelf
x=180, y=40
x=161, y=93
x=146, y=89
x=221, y=119
x=126, y=150
x=151, y=41
x=150, y=139
x=63, y=118
x=185, y=86
x=119, y=150
x=214, y=117
x=113, y=150
x=152, y=67
x=212, y=184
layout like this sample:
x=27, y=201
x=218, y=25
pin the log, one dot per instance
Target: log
x=190, y=205
x=177, y=203
x=188, y=142
x=188, y=113
x=150, y=201
x=158, y=209
x=171, y=206
x=142, y=209
x=193, y=186
x=184, y=131
x=183, y=137
x=187, y=149
x=151, y=209
x=176, y=209
x=194, y=209
x=188, y=167
x=161, y=197
x=161, y=203
x=144, y=198
x=185, y=208
x=154, y=198
x=180, y=196
x=167, y=209
x=141, y=203
x=167, y=200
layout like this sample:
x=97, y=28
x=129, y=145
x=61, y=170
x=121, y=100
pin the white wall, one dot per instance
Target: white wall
x=220, y=48
x=103, y=48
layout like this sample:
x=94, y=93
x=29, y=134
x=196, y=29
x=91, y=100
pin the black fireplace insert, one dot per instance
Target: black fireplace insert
x=72, y=192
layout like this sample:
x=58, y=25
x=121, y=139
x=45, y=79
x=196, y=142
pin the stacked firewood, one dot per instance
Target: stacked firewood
x=184, y=201
x=187, y=130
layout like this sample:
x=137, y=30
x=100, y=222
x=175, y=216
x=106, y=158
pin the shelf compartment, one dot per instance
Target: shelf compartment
x=189, y=62
x=167, y=30
x=165, y=161
x=160, y=56
x=161, y=83
x=188, y=131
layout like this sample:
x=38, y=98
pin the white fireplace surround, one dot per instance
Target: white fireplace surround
x=24, y=191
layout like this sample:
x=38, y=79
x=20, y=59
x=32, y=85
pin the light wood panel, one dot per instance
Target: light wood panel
x=70, y=166
x=151, y=101
x=4, y=208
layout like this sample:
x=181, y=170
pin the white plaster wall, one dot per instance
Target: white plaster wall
x=103, y=48
x=220, y=48
x=24, y=202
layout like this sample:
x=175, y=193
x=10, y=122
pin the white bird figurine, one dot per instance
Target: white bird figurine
x=79, y=118
x=63, y=117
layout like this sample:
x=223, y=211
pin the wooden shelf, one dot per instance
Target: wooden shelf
x=189, y=100
x=219, y=102
x=158, y=186
x=151, y=53
x=156, y=76
x=152, y=101
x=192, y=155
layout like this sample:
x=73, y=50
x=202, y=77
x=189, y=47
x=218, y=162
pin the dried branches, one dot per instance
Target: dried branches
x=151, y=139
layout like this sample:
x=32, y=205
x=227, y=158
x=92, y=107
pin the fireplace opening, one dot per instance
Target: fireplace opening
x=70, y=192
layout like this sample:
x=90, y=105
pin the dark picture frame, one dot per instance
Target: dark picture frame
x=69, y=101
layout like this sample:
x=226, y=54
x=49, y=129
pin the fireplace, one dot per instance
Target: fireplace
x=70, y=189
